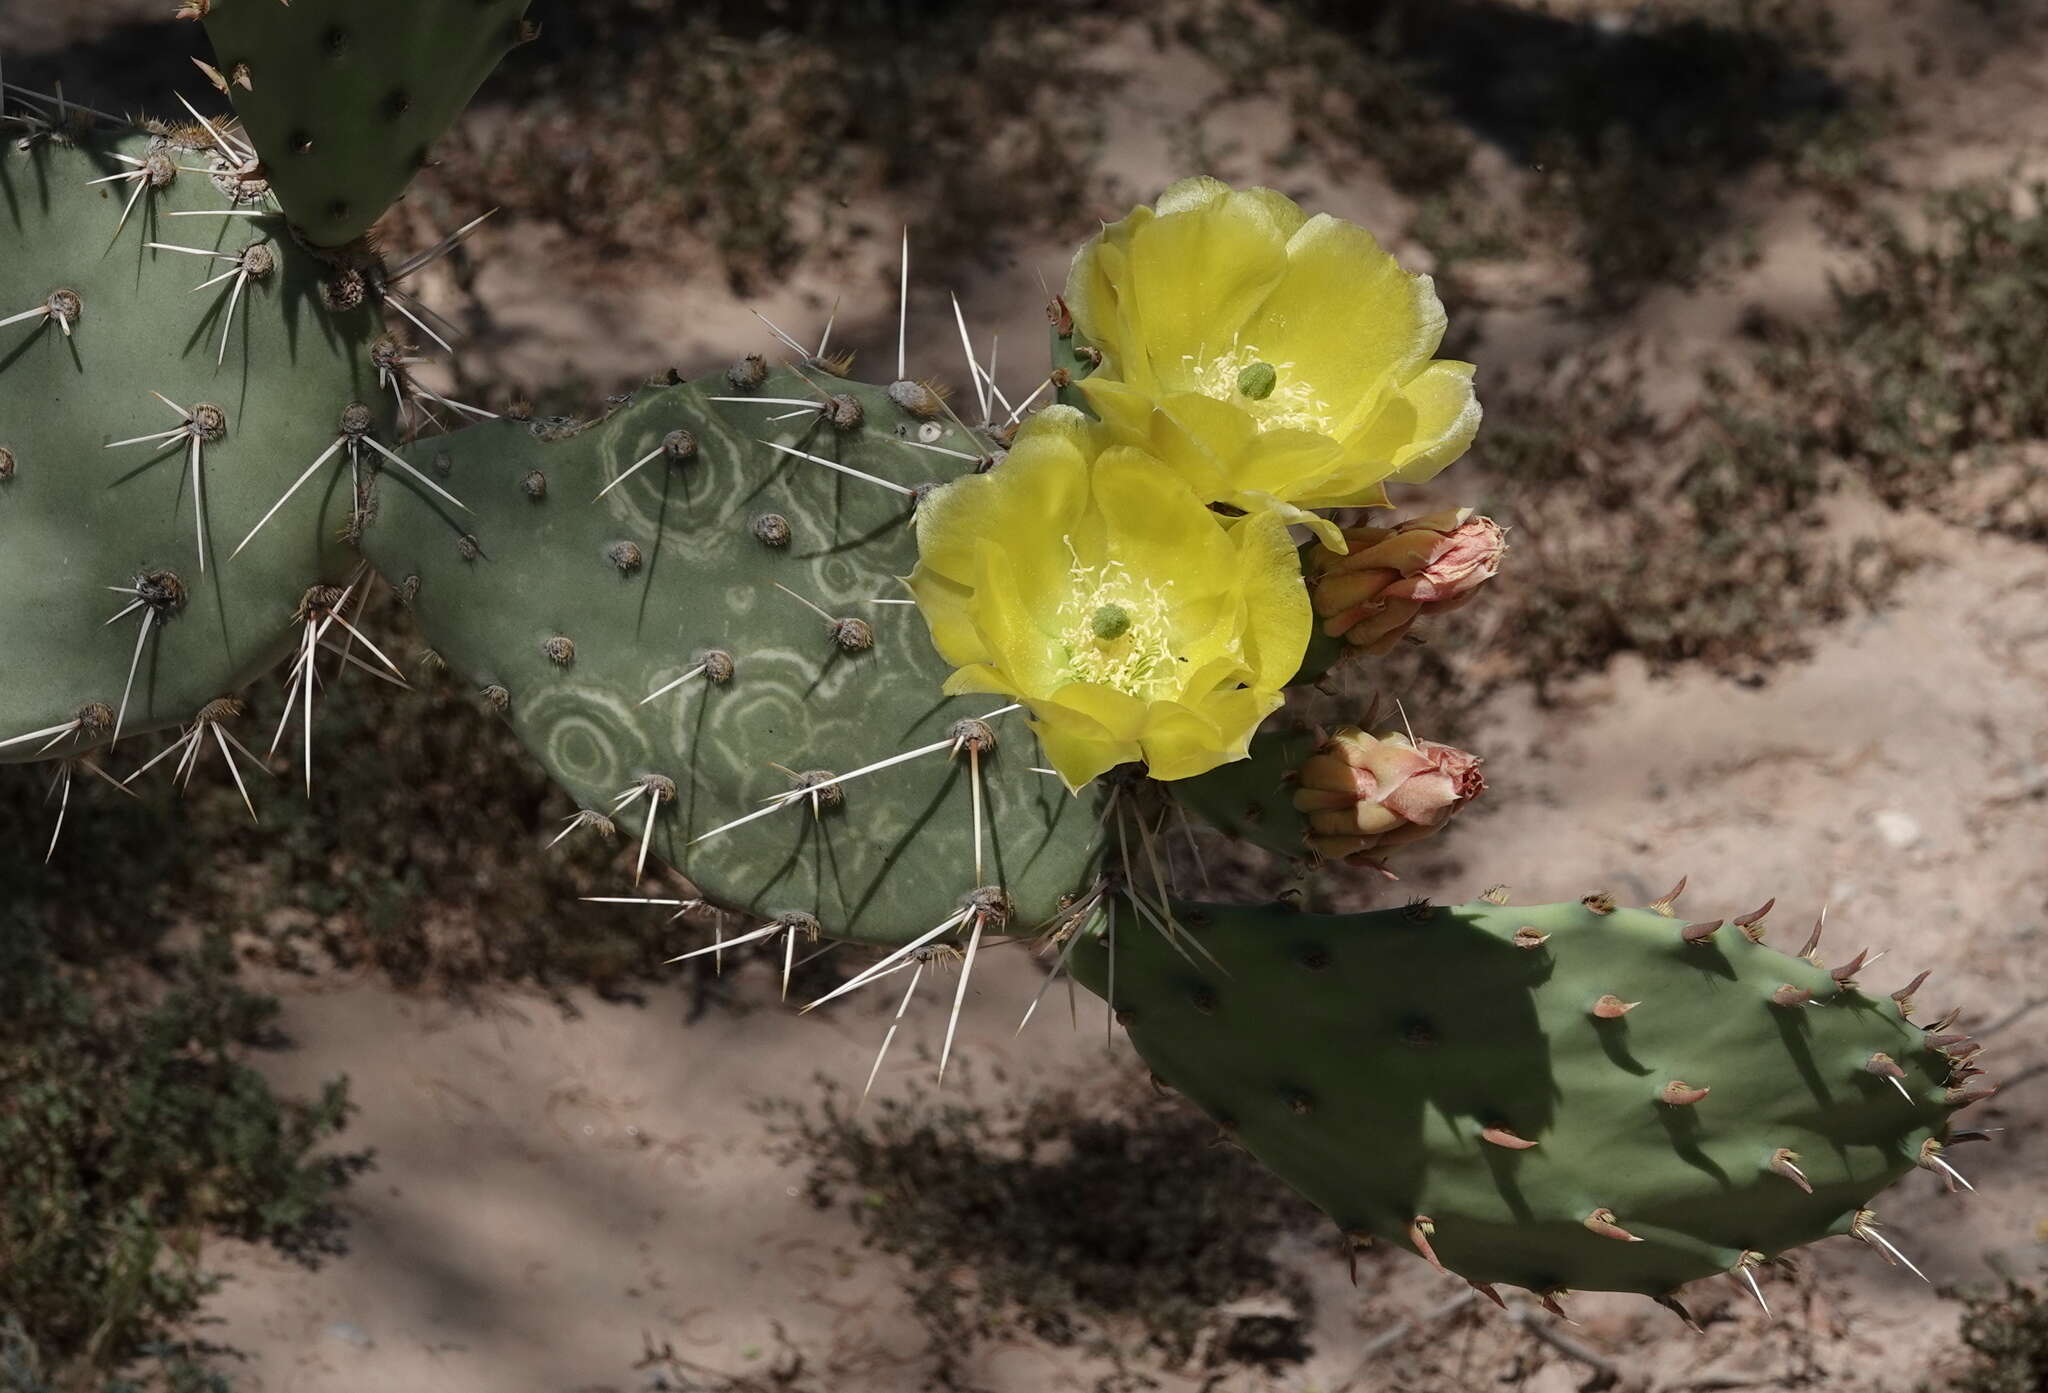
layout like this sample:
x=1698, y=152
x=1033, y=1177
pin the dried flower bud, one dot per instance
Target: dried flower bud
x=1365, y=794
x=1393, y=576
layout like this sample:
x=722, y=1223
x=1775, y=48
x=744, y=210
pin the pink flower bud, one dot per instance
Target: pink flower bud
x=1393, y=576
x=1366, y=794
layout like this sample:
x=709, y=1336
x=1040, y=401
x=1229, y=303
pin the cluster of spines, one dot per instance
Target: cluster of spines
x=210, y=149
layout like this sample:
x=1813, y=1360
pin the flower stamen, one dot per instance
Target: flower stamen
x=1115, y=630
x=1278, y=397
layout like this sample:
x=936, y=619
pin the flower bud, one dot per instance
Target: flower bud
x=1365, y=794
x=1393, y=576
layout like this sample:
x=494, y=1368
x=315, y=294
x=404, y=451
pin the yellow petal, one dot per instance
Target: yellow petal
x=1043, y=481
x=1095, y=293
x=1192, y=194
x=1225, y=671
x=1077, y=757
x=1126, y=410
x=1106, y=713
x=948, y=608
x=978, y=677
x=1197, y=437
x=1446, y=417
x=1188, y=740
x=1326, y=530
x=1346, y=316
x=1203, y=192
x=1017, y=623
x=1287, y=215
x=1181, y=742
x=1288, y=464
x=1278, y=615
x=1195, y=277
x=1156, y=526
x=1420, y=428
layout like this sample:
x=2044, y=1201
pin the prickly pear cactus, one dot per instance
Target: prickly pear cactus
x=690, y=612
x=145, y=429
x=344, y=98
x=694, y=613
x=1559, y=1097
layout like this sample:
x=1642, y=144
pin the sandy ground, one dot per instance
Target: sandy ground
x=552, y=1193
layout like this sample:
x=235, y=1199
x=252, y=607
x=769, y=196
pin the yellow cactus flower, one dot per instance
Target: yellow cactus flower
x=1276, y=360
x=1085, y=580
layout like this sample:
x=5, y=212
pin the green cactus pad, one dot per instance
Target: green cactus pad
x=77, y=517
x=344, y=98
x=565, y=612
x=1253, y=798
x=1362, y=1056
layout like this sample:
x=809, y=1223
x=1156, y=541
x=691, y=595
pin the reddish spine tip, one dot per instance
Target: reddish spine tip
x=1811, y=948
x=1418, y=1235
x=1904, y=995
x=1671, y=1304
x=1601, y=1221
x=1752, y=922
x=1785, y=1162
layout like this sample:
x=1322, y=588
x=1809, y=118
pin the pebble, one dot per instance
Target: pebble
x=1900, y=829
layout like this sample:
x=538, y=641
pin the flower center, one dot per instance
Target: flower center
x=1277, y=397
x=1114, y=631
x=1258, y=381
x=1110, y=622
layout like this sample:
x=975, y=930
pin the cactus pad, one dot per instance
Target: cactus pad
x=344, y=98
x=103, y=324
x=1560, y=1097
x=756, y=590
x=1253, y=798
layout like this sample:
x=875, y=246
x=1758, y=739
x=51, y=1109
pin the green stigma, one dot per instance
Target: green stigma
x=1257, y=381
x=1110, y=622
